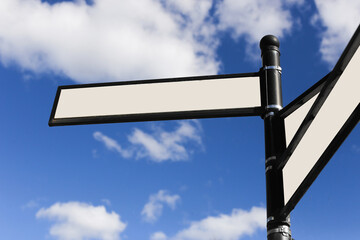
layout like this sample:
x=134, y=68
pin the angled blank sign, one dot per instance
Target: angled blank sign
x=295, y=112
x=330, y=110
x=163, y=99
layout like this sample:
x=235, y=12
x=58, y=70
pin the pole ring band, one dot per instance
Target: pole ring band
x=273, y=68
x=285, y=230
x=269, y=114
x=270, y=159
x=268, y=168
x=274, y=106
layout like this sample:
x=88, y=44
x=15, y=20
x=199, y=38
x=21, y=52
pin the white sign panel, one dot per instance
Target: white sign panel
x=335, y=111
x=294, y=120
x=134, y=101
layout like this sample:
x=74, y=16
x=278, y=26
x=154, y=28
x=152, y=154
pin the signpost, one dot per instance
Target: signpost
x=299, y=139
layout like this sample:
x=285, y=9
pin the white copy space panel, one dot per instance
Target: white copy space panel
x=294, y=120
x=212, y=94
x=337, y=108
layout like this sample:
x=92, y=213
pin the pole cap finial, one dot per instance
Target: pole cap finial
x=269, y=41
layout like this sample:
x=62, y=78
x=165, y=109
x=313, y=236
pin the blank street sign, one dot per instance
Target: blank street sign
x=332, y=116
x=164, y=99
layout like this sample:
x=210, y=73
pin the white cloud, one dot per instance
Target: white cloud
x=160, y=145
x=80, y=221
x=110, y=39
x=340, y=19
x=195, y=16
x=158, y=236
x=111, y=144
x=225, y=227
x=153, y=209
x=163, y=145
x=254, y=19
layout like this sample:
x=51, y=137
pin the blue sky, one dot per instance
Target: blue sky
x=175, y=180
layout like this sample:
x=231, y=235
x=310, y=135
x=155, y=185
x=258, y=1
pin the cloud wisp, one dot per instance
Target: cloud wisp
x=232, y=226
x=153, y=208
x=75, y=220
x=160, y=145
x=163, y=145
x=111, y=144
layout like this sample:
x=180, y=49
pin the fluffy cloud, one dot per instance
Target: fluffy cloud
x=112, y=40
x=109, y=39
x=225, y=227
x=78, y=221
x=253, y=19
x=153, y=209
x=340, y=19
x=121, y=40
x=159, y=146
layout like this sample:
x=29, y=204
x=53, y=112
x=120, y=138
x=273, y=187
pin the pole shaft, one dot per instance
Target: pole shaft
x=278, y=228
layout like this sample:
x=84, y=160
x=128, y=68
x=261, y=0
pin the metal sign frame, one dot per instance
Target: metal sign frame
x=172, y=115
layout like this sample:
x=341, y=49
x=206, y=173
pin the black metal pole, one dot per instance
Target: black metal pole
x=278, y=228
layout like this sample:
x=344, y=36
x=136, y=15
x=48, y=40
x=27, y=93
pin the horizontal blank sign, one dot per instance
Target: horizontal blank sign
x=197, y=97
